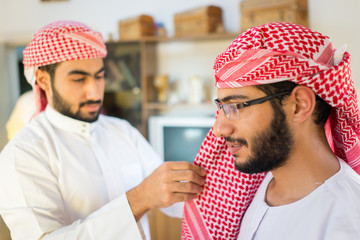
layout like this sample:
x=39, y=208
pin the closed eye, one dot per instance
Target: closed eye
x=100, y=77
x=79, y=79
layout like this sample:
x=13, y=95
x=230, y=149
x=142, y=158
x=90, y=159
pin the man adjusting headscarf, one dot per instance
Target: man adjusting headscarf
x=267, y=54
x=72, y=172
x=66, y=41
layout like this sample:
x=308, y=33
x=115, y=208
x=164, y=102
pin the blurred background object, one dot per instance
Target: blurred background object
x=137, y=27
x=198, y=21
x=258, y=12
x=22, y=113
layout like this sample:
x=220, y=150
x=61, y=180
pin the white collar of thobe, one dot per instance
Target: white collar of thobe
x=69, y=124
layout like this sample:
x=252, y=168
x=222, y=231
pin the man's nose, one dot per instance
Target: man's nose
x=93, y=90
x=222, y=126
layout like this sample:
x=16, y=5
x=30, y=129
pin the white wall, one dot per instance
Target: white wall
x=23, y=17
x=340, y=20
x=20, y=19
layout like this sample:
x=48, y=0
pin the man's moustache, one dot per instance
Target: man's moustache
x=90, y=102
x=236, y=140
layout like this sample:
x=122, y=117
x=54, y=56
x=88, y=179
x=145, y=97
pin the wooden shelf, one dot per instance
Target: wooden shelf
x=213, y=36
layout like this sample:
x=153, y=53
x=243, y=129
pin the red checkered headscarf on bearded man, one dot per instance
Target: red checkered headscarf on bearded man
x=267, y=54
x=56, y=42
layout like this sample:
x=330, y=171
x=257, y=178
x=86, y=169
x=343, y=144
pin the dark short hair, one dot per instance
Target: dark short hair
x=50, y=69
x=322, y=109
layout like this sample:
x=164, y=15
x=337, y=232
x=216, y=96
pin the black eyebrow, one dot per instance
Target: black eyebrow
x=101, y=70
x=84, y=72
x=233, y=97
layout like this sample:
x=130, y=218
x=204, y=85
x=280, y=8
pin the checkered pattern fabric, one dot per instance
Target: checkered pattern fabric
x=266, y=54
x=56, y=42
x=63, y=41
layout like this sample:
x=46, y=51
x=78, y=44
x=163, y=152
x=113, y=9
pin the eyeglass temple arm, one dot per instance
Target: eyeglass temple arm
x=264, y=99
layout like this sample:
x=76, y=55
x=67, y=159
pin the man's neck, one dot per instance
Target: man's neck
x=307, y=168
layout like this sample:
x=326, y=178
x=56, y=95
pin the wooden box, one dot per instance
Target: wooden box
x=137, y=27
x=199, y=21
x=259, y=12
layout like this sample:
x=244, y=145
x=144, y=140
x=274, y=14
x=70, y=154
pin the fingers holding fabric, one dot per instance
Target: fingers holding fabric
x=185, y=172
x=170, y=183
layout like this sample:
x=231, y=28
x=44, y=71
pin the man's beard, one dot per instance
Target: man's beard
x=271, y=147
x=63, y=107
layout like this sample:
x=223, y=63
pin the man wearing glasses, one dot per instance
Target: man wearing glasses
x=289, y=122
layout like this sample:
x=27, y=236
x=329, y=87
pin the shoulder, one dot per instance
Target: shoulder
x=31, y=137
x=117, y=125
x=35, y=130
x=346, y=182
x=104, y=119
x=344, y=213
x=344, y=190
x=28, y=149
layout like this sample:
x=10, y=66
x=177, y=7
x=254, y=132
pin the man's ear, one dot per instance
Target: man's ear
x=303, y=103
x=43, y=80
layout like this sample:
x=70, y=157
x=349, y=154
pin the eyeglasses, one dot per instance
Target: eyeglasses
x=231, y=110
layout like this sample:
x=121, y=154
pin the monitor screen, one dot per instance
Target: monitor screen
x=178, y=138
x=183, y=143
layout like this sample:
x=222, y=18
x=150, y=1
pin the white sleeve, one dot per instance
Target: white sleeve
x=31, y=204
x=150, y=160
x=112, y=221
x=176, y=210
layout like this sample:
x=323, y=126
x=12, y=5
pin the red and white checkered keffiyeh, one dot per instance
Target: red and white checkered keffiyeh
x=56, y=42
x=266, y=54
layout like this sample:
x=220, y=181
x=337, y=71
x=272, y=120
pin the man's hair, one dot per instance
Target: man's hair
x=50, y=69
x=322, y=109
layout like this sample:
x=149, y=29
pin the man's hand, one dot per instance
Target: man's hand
x=170, y=183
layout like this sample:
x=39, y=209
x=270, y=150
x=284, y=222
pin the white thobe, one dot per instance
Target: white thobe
x=331, y=212
x=70, y=178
